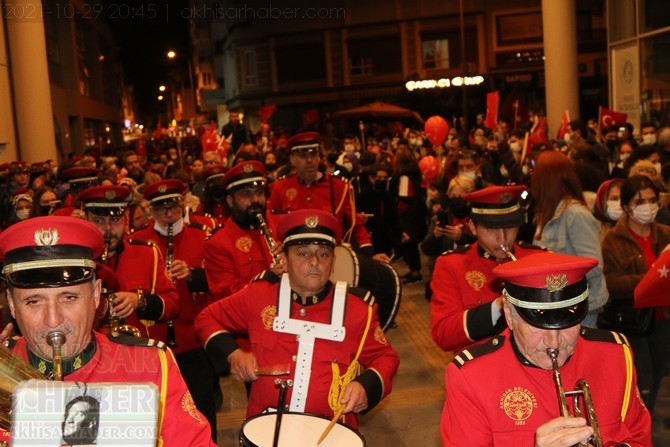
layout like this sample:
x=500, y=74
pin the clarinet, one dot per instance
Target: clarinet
x=265, y=231
x=169, y=257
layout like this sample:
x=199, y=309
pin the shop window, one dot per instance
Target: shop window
x=249, y=69
x=435, y=53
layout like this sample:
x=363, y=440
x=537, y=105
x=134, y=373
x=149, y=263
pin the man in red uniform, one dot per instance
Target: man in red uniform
x=311, y=188
x=145, y=294
x=181, y=245
x=237, y=252
x=46, y=296
x=324, y=338
x=545, y=300
x=466, y=305
x=79, y=178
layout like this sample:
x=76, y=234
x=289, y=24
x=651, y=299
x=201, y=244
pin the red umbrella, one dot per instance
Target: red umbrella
x=378, y=109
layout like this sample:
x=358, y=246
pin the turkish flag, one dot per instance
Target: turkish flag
x=651, y=291
x=492, y=103
x=607, y=117
x=539, y=135
x=565, y=120
x=311, y=116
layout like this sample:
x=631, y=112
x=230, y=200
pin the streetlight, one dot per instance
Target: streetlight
x=171, y=54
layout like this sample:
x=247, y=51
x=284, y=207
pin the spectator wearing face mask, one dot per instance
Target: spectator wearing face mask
x=22, y=203
x=648, y=132
x=45, y=202
x=607, y=209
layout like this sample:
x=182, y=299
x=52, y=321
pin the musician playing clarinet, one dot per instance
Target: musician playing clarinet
x=239, y=250
x=181, y=245
x=324, y=338
x=512, y=390
x=49, y=266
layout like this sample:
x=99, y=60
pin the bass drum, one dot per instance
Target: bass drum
x=297, y=429
x=379, y=278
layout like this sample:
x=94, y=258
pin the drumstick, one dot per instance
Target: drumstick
x=331, y=425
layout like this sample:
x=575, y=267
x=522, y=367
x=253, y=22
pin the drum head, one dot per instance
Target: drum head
x=346, y=266
x=296, y=430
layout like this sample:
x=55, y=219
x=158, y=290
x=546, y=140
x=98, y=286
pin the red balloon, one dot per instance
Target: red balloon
x=436, y=129
x=430, y=168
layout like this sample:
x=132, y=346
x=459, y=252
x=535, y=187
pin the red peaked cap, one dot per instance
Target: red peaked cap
x=549, y=290
x=304, y=141
x=309, y=227
x=497, y=206
x=164, y=191
x=105, y=200
x=50, y=251
x=247, y=174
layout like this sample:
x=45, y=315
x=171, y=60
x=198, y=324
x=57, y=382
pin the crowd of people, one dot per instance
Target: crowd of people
x=223, y=255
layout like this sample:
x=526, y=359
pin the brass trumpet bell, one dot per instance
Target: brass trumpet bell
x=13, y=370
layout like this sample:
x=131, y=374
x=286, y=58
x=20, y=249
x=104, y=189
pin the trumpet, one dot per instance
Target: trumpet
x=507, y=251
x=56, y=339
x=265, y=231
x=581, y=389
x=114, y=322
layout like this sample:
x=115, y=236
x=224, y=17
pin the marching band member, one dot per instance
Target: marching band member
x=544, y=348
x=50, y=271
x=344, y=361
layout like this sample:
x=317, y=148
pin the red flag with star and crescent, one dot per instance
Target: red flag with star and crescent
x=607, y=117
x=650, y=291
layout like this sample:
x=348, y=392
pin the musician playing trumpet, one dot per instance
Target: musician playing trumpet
x=505, y=390
x=181, y=246
x=466, y=305
x=49, y=265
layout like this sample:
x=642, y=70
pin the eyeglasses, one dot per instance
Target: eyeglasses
x=164, y=209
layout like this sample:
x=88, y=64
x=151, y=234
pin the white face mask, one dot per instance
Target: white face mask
x=516, y=146
x=567, y=138
x=349, y=148
x=614, y=210
x=658, y=166
x=649, y=138
x=645, y=213
x=470, y=175
x=413, y=142
x=625, y=156
x=23, y=214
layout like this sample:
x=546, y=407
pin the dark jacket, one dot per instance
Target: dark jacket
x=624, y=264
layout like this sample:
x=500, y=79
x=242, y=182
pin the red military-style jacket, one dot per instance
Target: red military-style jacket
x=193, y=295
x=234, y=256
x=497, y=397
x=129, y=359
x=252, y=310
x=329, y=194
x=464, y=286
x=138, y=264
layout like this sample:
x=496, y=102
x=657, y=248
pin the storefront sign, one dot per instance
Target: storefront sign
x=458, y=81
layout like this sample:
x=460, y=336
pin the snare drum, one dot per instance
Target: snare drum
x=297, y=429
x=379, y=278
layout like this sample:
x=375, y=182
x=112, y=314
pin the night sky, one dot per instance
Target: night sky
x=144, y=32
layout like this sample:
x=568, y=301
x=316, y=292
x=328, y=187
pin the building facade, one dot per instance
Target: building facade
x=313, y=61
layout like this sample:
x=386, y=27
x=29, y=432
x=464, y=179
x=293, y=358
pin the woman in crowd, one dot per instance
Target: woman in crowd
x=607, y=209
x=628, y=251
x=564, y=224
